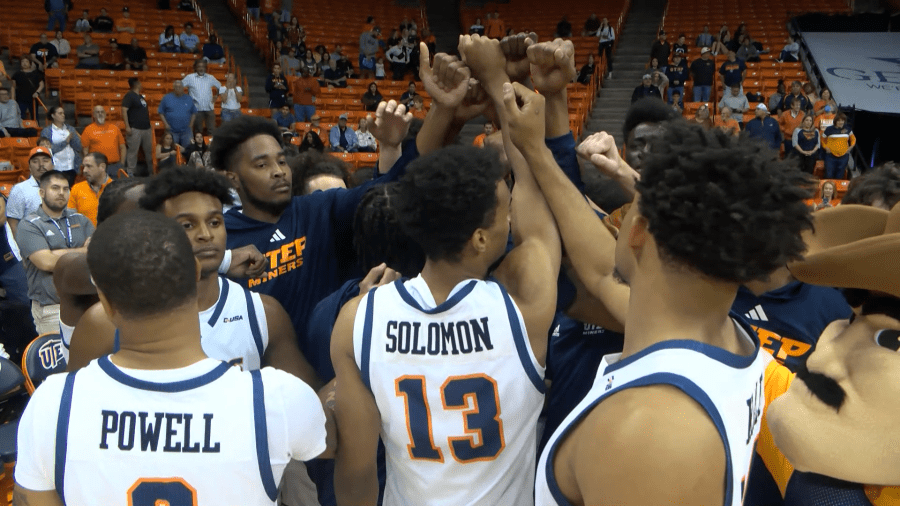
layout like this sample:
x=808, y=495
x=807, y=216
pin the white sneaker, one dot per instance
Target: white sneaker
x=3, y=352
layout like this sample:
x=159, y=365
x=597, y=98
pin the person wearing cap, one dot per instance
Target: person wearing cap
x=43, y=236
x=703, y=72
x=765, y=128
x=342, y=138
x=826, y=118
x=103, y=23
x=661, y=50
x=645, y=89
x=677, y=74
x=24, y=197
x=125, y=23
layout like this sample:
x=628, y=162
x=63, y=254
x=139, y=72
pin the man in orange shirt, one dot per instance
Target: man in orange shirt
x=479, y=139
x=304, y=90
x=85, y=196
x=112, y=58
x=726, y=122
x=495, y=27
x=125, y=23
x=789, y=120
x=105, y=138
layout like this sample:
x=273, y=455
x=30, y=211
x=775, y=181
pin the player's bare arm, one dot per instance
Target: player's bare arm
x=282, y=352
x=94, y=337
x=328, y=398
x=389, y=127
x=24, y=497
x=447, y=82
x=357, y=416
x=552, y=69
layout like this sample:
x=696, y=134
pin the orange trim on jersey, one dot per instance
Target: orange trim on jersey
x=777, y=380
x=412, y=443
x=162, y=502
x=472, y=411
x=883, y=496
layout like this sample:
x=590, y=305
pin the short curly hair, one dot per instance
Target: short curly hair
x=646, y=111
x=229, y=137
x=378, y=237
x=310, y=164
x=446, y=195
x=724, y=207
x=114, y=195
x=880, y=186
x=175, y=181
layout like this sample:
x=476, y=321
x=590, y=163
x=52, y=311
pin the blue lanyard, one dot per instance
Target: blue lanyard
x=68, y=235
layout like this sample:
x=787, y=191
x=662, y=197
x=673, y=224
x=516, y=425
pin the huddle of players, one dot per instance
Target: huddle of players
x=447, y=368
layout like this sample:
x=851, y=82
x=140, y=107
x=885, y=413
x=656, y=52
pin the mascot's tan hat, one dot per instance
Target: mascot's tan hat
x=853, y=246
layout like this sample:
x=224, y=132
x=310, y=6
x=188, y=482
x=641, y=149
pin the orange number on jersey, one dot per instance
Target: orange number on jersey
x=161, y=492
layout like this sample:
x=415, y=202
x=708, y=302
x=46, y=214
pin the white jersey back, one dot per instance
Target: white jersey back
x=234, y=329
x=728, y=386
x=217, y=436
x=459, y=392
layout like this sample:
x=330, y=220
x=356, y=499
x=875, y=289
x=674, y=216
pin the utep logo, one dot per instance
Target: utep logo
x=51, y=354
x=282, y=260
x=781, y=347
x=233, y=319
x=609, y=383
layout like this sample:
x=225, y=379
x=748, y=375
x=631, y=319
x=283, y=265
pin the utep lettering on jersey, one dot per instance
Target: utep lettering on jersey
x=174, y=429
x=282, y=259
x=439, y=338
x=754, y=408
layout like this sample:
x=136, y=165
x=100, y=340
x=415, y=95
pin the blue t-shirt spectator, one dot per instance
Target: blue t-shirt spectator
x=177, y=110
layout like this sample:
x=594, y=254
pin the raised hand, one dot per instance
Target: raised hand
x=600, y=150
x=377, y=276
x=484, y=58
x=515, y=49
x=474, y=104
x=247, y=262
x=391, y=123
x=526, y=123
x=447, y=80
x=552, y=65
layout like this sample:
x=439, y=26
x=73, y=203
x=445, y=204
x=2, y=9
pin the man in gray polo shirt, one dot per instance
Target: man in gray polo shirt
x=25, y=197
x=44, y=236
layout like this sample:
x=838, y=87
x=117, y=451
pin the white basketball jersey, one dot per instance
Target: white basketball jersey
x=459, y=392
x=221, y=436
x=728, y=386
x=234, y=330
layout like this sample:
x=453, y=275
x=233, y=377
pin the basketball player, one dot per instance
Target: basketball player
x=448, y=367
x=158, y=422
x=237, y=325
x=692, y=236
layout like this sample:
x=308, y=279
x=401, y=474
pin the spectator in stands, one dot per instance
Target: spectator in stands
x=407, y=97
x=661, y=51
x=811, y=96
x=764, y=127
x=563, y=28
x=336, y=54
x=276, y=87
x=103, y=23
x=478, y=141
x=677, y=102
x=607, y=37
x=135, y=56
x=197, y=149
x=105, y=138
x=66, y=143
x=345, y=66
x=368, y=50
x=88, y=54
x=138, y=135
x=828, y=192
x=305, y=90
x=311, y=141
x=200, y=86
x=591, y=25
x=653, y=66
x=791, y=51
x=795, y=94
x=379, y=69
x=398, y=55
x=476, y=27
x=253, y=8
x=274, y=28
x=25, y=198
x=213, y=52
x=342, y=138
x=231, y=95
x=185, y=5
x=190, y=42
x=63, y=48
x=790, y=120
x=680, y=46
x=394, y=39
x=732, y=71
x=11, y=118
x=336, y=75
x=703, y=72
x=58, y=13
x=645, y=89
x=747, y=51
x=293, y=32
x=286, y=7
x=168, y=41
x=83, y=24
x=417, y=107
x=113, y=58
x=705, y=39
x=289, y=63
x=807, y=144
x=587, y=71
x=825, y=119
x=702, y=117
x=42, y=242
x=726, y=122
x=178, y=113
x=85, y=196
x=838, y=141
x=776, y=98
x=722, y=38
x=309, y=61
x=495, y=27
x=43, y=54
x=365, y=141
x=125, y=23
x=371, y=98
x=28, y=83
x=660, y=81
x=284, y=119
x=737, y=102
x=677, y=74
